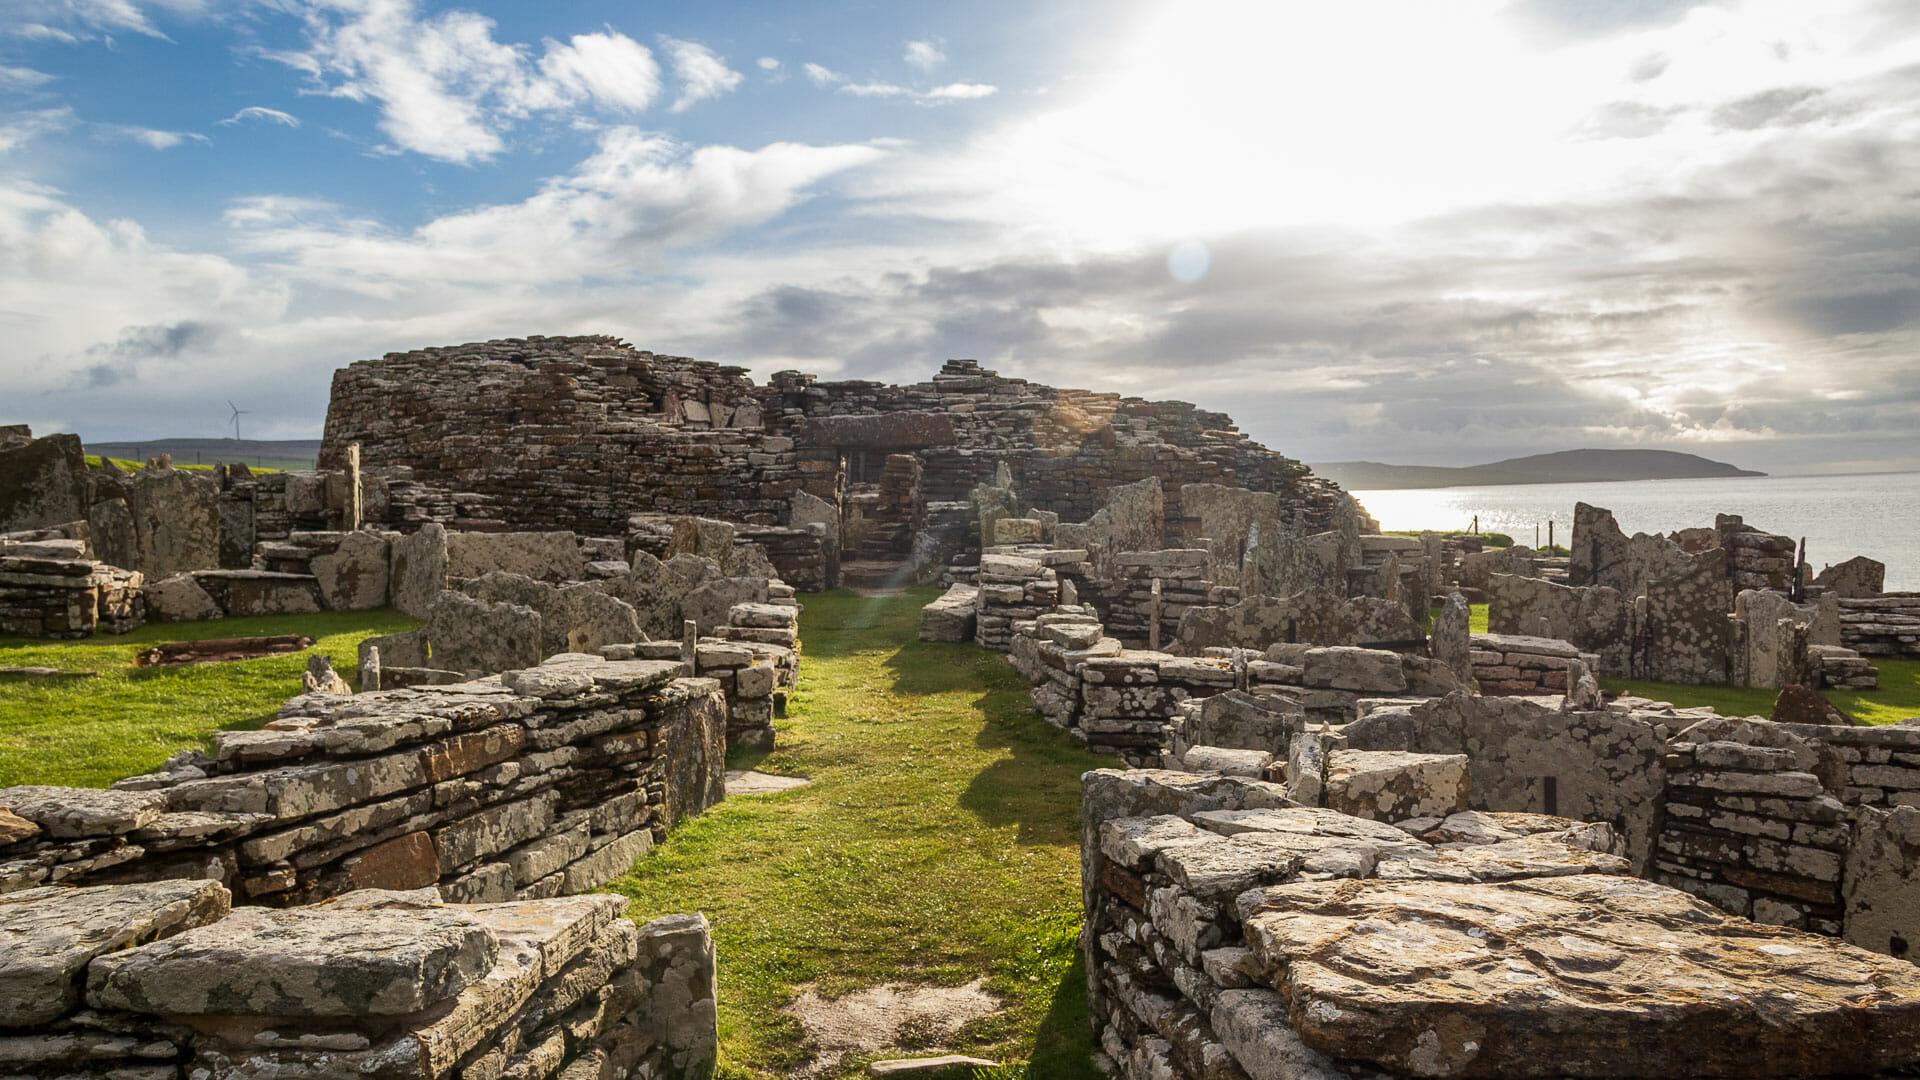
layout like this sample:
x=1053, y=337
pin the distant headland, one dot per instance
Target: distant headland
x=1562, y=467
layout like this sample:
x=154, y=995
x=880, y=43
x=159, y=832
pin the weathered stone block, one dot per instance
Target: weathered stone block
x=48, y=936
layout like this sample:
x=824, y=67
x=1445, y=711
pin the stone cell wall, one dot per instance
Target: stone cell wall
x=164, y=981
x=525, y=785
x=1596, y=618
x=1230, y=933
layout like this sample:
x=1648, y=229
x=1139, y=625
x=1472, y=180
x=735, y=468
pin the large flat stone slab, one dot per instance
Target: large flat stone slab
x=1573, y=976
x=74, y=813
x=48, y=936
x=301, y=962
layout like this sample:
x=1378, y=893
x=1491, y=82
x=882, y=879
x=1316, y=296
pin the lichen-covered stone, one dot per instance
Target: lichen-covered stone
x=1583, y=975
x=71, y=813
x=301, y=962
x=1387, y=785
x=49, y=935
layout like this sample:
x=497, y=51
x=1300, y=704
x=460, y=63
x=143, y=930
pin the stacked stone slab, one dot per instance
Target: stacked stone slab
x=1011, y=588
x=1886, y=625
x=1509, y=664
x=528, y=784
x=1049, y=651
x=1756, y=559
x=162, y=981
x=950, y=617
x=46, y=592
x=1753, y=826
x=1230, y=934
x=1158, y=586
x=1844, y=669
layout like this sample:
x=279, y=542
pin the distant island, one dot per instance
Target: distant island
x=1563, y=467
x=261, y=453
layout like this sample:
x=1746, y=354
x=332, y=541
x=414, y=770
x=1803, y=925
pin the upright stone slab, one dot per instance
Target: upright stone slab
x=1857, y=578
x=355, y=575
x=704, y=537
x=1452, y=640
x=544, y=556
x=1683, y=636
x=43, y=483
x=160, y=521
x=481, y=638
x=418, y=570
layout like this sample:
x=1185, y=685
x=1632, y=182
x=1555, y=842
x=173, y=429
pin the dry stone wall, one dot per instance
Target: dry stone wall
x=528, y=784
x=49, y=589
x=164, y=981
x=1231, y=933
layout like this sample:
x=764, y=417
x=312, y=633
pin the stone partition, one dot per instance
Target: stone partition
x=524, y=785
x=1596, y=619
x=1886, y=625
x=1232, y=934
x=48, y=590
x=162, y=981
x=1517, y=664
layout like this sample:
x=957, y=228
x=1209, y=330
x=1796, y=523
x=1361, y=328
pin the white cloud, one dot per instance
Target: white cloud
x=624, y=208
x=43, y=32
x=875, y=89
x=822, y=76
x=961, y=92
x=152, y=137
x=261, y=112
x=925, y=55
x=446, y=88
x=20, y=78
x=702, y=74
x=21, y=128
x=768, y=63
x=611, y=68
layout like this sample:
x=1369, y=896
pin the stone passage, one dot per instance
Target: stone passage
x=525, y=785
x=161, y=981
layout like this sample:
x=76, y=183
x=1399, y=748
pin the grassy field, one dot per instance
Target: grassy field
x=938, y=842
x=127, y=720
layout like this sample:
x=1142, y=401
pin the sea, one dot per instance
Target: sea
x=1872, y=514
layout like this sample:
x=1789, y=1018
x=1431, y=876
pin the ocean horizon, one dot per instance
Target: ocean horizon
x=1871, y=514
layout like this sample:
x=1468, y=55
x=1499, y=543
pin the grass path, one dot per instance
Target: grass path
x=938, y=842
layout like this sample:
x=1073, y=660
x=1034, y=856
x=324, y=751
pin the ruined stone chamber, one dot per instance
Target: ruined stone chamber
x=1233, y=933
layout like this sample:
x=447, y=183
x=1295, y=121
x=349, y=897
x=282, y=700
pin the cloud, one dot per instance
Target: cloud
x=152, y=137
x=702, y=75
x=925, y=55
x=822, y=76
x=19, y=129
x=14, y=79
x=960, y=92
x=446, y=88
x=637, y=199
x=610, y=68
x=261, y=112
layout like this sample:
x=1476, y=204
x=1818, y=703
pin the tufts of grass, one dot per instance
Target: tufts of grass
x=127, y=720
x=938, y=841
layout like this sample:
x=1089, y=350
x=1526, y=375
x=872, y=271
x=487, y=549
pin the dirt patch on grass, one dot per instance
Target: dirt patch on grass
x=893, y=1019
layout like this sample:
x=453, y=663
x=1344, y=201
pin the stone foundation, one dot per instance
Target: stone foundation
x=162, y=981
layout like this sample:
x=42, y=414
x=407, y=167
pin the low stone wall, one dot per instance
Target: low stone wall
x=53, y=595
x=1516, y=664
x=1232, y=934
x=1011, y=587
x=1153, y=589
x=524, y=785
x=1886, y=625
x=162, y=981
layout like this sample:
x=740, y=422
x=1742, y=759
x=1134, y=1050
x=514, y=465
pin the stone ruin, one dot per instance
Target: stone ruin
x=1357, y=841
x=422, y=848
x=1727, y=605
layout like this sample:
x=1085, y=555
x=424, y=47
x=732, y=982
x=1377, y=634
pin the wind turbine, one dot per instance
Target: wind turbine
x=238, y=412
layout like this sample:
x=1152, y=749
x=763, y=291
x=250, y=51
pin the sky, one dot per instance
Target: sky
x=1393, y=230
